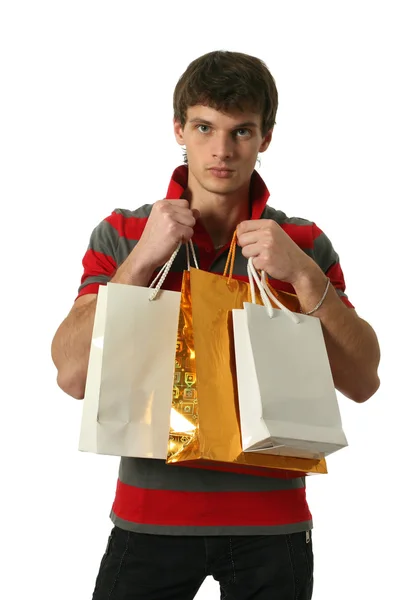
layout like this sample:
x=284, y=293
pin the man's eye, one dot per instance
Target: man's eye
x=243, y=132
x=203, y=128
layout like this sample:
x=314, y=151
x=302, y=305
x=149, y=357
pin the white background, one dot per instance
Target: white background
x=86, y=109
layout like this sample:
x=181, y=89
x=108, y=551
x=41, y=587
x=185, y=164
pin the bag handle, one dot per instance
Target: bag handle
x=230, y=262
x=264, y=290
x=190, y=243
x=265, y=293
x=164, y=271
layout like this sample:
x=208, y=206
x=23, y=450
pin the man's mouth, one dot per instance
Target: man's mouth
x=221, y=171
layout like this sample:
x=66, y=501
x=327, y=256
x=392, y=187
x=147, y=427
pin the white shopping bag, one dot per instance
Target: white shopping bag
x=287, y=400
x=128, y=393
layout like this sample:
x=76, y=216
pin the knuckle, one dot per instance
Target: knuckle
x=186, y=233
x=161, y=207
x=172, y=227
x=165, y=209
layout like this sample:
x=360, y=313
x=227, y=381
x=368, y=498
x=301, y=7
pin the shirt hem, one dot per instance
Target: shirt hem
x=200, y=530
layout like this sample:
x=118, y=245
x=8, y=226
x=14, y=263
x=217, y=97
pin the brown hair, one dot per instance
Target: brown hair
x=224, y=81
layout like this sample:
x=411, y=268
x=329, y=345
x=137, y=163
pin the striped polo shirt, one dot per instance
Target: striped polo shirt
x=153, y=497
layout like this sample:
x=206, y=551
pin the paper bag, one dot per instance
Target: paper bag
x=126, y=410
x=205, y=420
x=287, y=400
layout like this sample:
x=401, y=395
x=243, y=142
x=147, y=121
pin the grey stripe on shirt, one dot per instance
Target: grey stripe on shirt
x=157, y=475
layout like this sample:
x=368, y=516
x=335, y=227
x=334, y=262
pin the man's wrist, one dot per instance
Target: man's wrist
x=131, y=274
x=308, y=275
x=310, y=285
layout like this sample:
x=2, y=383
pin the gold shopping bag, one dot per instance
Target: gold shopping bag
x=204, y=424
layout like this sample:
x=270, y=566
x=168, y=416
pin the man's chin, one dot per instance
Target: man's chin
x=221, y=189
x=222, y=186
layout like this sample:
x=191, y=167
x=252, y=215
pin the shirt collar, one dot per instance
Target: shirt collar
x=259, y=193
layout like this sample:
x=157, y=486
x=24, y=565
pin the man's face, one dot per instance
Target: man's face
x=222, y=148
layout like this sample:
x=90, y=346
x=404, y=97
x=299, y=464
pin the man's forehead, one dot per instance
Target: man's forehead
x=222, y=117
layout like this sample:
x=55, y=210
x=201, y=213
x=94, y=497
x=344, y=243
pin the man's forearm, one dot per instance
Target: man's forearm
x=72, y=342
x=71, y=346
x=130, y=273
x=352, y=345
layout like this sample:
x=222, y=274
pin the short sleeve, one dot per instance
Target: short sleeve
x=328, y=260
x=99, y=262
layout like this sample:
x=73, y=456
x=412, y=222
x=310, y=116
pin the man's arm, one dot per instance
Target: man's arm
x=168, y=224
x=72, y=341
x=71, y=345
x=352, y=345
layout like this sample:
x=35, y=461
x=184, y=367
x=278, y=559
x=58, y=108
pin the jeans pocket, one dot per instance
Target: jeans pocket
x=107, y=551
x=309, y=556
x=104, y=560
x=108, y=548
x=111, y=564
x=301, y=557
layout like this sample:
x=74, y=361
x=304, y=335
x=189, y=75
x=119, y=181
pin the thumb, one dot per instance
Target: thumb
x=196, y=213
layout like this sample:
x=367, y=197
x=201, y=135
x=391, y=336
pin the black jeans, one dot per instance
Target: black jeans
x=161, y=567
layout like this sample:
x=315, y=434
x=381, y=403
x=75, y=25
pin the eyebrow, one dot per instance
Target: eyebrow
x=238, y=126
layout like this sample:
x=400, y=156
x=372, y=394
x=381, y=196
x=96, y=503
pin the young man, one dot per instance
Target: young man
x=173, y=526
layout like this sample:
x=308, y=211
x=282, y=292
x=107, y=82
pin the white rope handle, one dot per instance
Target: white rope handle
x=266, y=294
x=162, y=274
x=270, y=295
x=190, y=243
x=253, y=278
x=164, y=271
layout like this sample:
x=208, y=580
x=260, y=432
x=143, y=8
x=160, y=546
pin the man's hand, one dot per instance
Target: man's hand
x=272, y=250
x=170, y=222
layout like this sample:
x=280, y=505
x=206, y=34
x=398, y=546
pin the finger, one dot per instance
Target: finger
x=248, y=226
x=181, y=234
x=180, y=202
x=252, y=250
x=180, y=209
x=186, y=233
x=259, y=264
x=245, y=239
x=184, y=216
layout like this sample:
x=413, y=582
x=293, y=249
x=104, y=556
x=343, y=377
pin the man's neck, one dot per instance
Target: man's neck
x=219, y=213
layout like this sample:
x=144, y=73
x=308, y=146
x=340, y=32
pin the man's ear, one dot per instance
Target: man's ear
x=178, y=132
x=266, y=141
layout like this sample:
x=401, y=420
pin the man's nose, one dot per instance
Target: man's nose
x=222, y=146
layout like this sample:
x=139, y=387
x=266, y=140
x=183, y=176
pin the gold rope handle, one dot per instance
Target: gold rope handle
x=230, y=263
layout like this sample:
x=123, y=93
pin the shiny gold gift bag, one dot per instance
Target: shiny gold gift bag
x=204, y=424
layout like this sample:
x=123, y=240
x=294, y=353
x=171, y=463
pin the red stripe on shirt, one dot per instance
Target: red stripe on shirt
x=335, y=274
x=301, y=234
x=97, y=263
x=241, y=469
x=166, y=507
x=129, y=227
x=91, y=288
